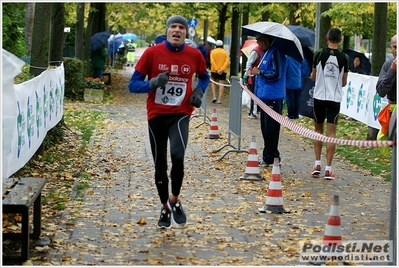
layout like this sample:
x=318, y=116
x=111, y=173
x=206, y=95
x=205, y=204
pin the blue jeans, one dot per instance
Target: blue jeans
x=98, y=72
x=270, y=131
x=292, y=99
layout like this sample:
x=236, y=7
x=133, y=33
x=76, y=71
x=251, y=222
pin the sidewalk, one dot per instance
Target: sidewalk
x=224, y=226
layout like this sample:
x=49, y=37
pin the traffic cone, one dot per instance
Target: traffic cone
x=332, y=234
x=213, y=129
x=252, y=170
x=274, y=199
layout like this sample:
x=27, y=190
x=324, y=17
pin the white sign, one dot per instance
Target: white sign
x=67, y=29
x=29, y=110
x=191, y=31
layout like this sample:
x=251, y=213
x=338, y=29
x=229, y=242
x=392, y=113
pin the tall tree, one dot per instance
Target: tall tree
x=41, y=38
x=13, y=25
x=235, y=40
x=222, y=12
x=79, y=31
x=325, y=23
x=245, y=21
x=57, y=32
x=378, y=49
x=29, y=19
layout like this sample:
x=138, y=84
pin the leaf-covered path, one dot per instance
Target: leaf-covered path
x=114, y=221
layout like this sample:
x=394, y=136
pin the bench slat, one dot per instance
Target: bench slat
x=24, y=193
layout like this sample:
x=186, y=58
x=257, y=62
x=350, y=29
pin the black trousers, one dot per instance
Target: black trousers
x=172, y=127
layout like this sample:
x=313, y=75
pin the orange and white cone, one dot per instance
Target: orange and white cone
x=252, y=171
x=214, y=129
x=332, y=234
x=274, y=199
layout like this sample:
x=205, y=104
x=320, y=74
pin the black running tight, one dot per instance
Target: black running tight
x=173, y=127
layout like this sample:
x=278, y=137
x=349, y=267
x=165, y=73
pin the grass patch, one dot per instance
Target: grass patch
x=368, y=159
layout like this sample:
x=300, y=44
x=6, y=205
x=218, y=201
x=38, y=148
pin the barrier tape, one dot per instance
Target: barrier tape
x=226, y=85
x=309, y=133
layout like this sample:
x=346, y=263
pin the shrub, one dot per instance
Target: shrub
x=73, y=78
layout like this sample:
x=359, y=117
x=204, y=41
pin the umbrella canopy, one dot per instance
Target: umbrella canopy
x=365, y=61
x=98, y=40
x=210, y=40
x=248, y=46
x=190, y=42
x=114, y=42
x=283, y=38
x=160, y=39
x=130, y=36
x=306, y=36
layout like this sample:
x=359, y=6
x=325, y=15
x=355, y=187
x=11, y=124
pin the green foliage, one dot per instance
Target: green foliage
x=24, y=76
x=93, y=83
x=73, y=78
x=13, y=28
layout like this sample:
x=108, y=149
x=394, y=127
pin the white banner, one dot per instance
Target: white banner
x=29, y=110
x=360, y=100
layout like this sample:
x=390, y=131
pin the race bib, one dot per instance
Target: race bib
x=171, y=94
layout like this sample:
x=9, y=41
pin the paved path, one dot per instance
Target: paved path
x=224, y=225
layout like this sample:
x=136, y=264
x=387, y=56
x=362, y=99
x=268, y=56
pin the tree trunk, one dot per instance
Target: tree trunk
x=325, y=24
x=235, y=40
x=265, y=16
x=378, y=49
x=57, y=33
x=380, y=37
x=222, y=21
x=29, y=19
x=245, y=21
x=346, y=42
x=294, y=16
x=40, y=39
x=79, y=31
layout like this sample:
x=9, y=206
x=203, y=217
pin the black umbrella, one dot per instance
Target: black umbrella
x=98, y=40
x=305, y=35
x=365, y=61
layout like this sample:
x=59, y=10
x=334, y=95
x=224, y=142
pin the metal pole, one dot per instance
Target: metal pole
x=317, y=43
x=393, y=205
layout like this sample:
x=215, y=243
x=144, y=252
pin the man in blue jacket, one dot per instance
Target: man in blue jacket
x=270, y=88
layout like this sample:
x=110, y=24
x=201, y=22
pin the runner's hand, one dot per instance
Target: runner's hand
x=195, y=98
x=159, y=81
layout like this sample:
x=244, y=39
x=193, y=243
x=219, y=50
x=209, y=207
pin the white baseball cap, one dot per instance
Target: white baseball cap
x=219, y=43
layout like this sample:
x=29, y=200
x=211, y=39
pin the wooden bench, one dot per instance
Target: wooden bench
x=108, y=75
x=18, y=196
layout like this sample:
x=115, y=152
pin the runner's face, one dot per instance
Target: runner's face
x=176, y=34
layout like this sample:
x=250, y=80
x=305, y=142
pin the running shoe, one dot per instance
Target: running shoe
x=164, y=221
x=214, y=100
x=178, y=215
x=316, y=171
x=252, y=116
x=219, y=101
x=328, y=175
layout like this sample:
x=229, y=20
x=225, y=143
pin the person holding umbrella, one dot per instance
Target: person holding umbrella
x=330, y=72
x=170, y=67
x=270, y=88
x=98, y=55
x=98, y=59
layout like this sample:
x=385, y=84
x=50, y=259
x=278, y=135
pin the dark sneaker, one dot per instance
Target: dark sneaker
x=214, y=100
x=178, y=215
x=164, y=221
x=328, y=175
x=316, y=171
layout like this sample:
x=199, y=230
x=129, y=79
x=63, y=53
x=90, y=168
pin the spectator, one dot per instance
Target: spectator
x=249, y=79
x=98, y=59
x=219, y=63
x=270, y=88
x=131, y=53
x=357, y=66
